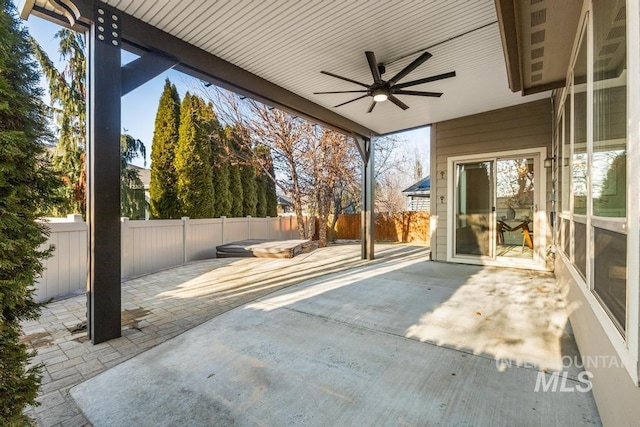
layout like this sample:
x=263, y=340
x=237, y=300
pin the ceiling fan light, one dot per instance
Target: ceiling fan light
x=380, y=95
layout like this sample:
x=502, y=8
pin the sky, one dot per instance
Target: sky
x=139, y=106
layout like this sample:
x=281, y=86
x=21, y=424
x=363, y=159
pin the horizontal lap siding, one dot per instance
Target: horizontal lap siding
x=514, y=128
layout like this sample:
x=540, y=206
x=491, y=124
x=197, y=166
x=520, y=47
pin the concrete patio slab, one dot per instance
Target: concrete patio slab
x=402, y=341
x=159, y=306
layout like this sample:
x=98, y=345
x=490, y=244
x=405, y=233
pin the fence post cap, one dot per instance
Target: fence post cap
x=124, y=219
x=74, y=217
x=184, y=218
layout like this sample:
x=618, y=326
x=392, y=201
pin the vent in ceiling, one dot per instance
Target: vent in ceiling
x=537, y=53
x=536, y=66
x=538, y=17
x=537, y=37
x=536, y=77
x=621, y=14
x=602, y=63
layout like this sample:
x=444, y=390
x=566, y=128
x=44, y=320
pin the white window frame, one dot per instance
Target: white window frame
x=627, y=346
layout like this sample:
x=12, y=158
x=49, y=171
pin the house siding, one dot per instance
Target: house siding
x=514, y=128
x=615, y=393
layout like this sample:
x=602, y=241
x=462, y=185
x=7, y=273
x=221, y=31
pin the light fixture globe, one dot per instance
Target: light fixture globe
x=380, y=95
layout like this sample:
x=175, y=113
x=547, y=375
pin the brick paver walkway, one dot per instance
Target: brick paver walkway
x=159, y=306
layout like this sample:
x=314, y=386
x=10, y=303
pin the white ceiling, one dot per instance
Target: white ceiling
x=289, y=42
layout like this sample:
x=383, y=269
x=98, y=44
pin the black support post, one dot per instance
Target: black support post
x=103, y=176
x=365, y=146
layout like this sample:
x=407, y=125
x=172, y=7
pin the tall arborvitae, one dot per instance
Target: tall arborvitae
x=266, y=183
x=162, y=189
x=25, y=189
x=221, y=173
x=261, y=196
x=193, y=158
x=271, y=194
x=235, y=187
x=249, y=190
x=221, y=189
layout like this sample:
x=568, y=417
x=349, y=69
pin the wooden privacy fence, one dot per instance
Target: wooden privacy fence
x=391, y=227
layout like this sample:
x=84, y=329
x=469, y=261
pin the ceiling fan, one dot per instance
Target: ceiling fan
x=382, y=90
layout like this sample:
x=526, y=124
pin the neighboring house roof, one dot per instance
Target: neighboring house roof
x=284, y=200
x=143, y=173
x=422, y=187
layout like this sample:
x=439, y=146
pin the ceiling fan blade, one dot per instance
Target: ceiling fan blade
x=398, y=102
x=373, y=66
x=409, y=68
x=355, y=99
x=418, y=93
x=426, y=80
x=341, y=91
x=373, y=104
x=344, y=78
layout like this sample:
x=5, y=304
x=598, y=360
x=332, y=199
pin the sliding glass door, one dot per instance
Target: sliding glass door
x=474, y=198
x=495, y=206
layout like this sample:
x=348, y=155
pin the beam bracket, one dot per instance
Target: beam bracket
x=143, y=69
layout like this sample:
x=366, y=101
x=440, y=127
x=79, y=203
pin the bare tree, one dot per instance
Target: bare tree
x=287, y=137
x=329, y=165
x=318, y=168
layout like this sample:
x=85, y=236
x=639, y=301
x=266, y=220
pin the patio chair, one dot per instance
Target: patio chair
x=501, y=228
x=527, y=236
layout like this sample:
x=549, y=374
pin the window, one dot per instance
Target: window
x=580, y=247
x=610, y=273
x=593, y=169
x=558, y=155
x=566, y=240
x=609, y=158
x=566, y=155
x=579, y=160
x=609, y=109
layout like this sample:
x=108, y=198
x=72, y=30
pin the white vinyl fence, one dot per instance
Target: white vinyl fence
x=149, y=246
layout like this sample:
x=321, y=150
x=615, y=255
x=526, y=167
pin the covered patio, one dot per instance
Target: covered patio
x=323, y=338
x=307, y=59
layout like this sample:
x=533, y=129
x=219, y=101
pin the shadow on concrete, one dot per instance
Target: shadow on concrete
x=388, y=342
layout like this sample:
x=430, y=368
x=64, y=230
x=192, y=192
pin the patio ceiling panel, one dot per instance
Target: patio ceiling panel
x=289, y=42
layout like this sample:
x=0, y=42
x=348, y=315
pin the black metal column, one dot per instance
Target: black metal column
x=368, y=198
x=103, y=176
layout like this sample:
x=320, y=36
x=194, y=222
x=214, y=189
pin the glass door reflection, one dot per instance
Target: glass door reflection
x=474, y=202
x=515, y=207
